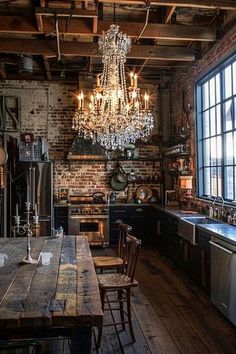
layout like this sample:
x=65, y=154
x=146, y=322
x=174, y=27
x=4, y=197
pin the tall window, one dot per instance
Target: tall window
x=216, y=132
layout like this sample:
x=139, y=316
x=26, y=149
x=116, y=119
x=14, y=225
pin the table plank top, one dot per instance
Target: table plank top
x=63, y=292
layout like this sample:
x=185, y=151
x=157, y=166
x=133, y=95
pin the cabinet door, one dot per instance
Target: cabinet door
x=137, y=219
x=153, y=225
x=199, y=265
x=116, y=215
x=168, y=230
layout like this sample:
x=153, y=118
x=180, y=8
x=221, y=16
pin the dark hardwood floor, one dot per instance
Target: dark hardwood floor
x=170, y=314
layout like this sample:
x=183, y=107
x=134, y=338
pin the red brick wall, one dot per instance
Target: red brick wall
x=185, y=81
x=47, y=111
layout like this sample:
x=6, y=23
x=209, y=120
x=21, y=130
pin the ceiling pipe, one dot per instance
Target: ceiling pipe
x=146, y=22
x=141, y=33
x=58, y=41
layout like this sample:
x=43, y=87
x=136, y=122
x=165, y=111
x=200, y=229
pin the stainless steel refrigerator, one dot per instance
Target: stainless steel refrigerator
x=33, y=182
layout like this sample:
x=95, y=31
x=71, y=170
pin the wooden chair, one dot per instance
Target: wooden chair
x=114, y=262
x=119, y=286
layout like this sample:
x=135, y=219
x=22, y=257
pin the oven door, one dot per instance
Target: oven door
x=95, y=227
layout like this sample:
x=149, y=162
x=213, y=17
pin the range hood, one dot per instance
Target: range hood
x=84, y=149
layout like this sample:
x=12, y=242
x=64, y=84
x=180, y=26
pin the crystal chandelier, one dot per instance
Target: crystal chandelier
x=116, y=115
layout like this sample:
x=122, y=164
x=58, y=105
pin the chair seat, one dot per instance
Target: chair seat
x=115, y=281
x=107, y=261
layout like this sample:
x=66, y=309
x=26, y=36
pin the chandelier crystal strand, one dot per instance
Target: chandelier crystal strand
x=117, y=116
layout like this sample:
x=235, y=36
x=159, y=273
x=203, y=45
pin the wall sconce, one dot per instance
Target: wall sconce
x=186, y=186
x=186, y=182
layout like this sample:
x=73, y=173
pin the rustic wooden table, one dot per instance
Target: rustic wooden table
x=58, y=296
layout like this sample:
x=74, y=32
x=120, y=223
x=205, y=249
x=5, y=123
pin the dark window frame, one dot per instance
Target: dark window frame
x=201, y=138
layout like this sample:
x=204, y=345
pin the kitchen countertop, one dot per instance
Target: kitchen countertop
x=221, y=230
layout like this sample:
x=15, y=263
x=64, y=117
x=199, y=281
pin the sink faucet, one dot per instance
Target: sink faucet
x=221, y=214
x=212, y=208
x=222, y=201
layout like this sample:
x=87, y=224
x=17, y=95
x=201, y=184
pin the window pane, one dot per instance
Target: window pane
x=227, y=82
x=219, y=149
x=235, y=183
x=217, y=88
x=206, y=149
x=219, y=181
x=212, y=92
x=206, y=128
x=213, y=121
x=218, y=119
x=213, y=152
x=229, y=183
x=207, y=189
x=234, y=78
x=214, y=181
x=227, y=115
x=216, y=133
x=229, y=160
x=235, y=112
x=234, y=147
x=205, y=96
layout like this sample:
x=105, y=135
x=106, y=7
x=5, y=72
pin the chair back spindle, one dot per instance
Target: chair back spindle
x=132, y=251
x=124, y=230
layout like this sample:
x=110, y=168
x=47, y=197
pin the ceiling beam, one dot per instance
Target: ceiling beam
x=39, y=23
x=18, y=25
x=163, y=31
x=133, y=29
x=65, y=12
x=75, y=27
x=47, y=68
x=204, y=4
x=48, y=48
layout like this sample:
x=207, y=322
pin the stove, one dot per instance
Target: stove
x=88, y=209
x=91, y=220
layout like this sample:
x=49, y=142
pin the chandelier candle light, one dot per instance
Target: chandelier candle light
x=116, y=115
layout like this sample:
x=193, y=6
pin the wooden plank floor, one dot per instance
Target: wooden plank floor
x=170, y=314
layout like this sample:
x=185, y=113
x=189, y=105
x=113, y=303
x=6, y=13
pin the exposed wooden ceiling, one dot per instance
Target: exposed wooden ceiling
x=61, y=36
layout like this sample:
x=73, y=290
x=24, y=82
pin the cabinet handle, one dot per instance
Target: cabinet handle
x=221, y=247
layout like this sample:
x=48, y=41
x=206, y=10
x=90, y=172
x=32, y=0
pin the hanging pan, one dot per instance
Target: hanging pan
x=116, y=185
x=118, y=179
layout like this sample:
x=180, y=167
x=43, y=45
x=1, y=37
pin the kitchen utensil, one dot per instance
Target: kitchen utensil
x=112, y=197
x=118, y=178
x=121, y=175
x=98, y=198
x=116, y=185
x=132, y=177
x=143, y=193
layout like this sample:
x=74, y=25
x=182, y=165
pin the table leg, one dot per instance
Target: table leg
x=81, y=341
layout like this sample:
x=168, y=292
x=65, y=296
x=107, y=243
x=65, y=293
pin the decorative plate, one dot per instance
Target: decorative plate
x=143, y=193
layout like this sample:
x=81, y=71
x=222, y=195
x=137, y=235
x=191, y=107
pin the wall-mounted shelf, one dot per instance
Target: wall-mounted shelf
x=177, y=154
x=179, y=173
x=92, y=158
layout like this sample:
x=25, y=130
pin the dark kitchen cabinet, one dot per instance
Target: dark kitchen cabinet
x=181, y=251
x=117, y=214
x=61, y=218
x=166, y=238
x=199, y=265
x=135, y=216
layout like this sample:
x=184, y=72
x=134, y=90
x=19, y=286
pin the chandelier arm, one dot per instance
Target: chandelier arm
x=115, y=117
